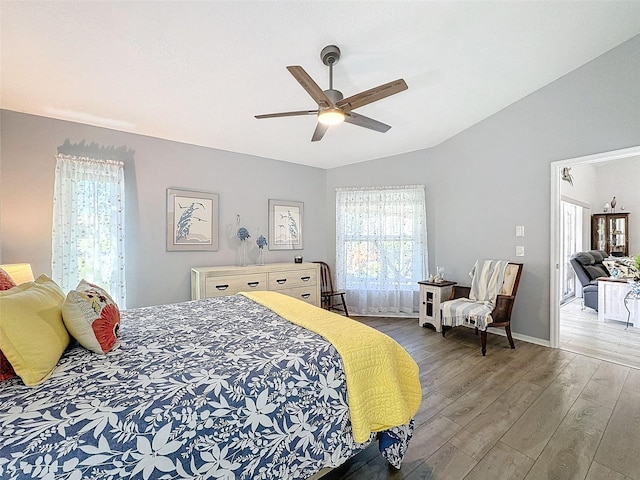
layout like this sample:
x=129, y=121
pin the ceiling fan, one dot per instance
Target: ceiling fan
x=333, y=108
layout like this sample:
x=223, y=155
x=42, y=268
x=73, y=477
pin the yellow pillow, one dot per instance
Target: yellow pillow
x=32, y=334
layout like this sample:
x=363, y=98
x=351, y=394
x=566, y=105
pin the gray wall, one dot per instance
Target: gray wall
x=480, y=185
x=495, y=175
x=582, y=192
x=622, y=179
x=154, y=276
x=585, y=184
x=595, y=184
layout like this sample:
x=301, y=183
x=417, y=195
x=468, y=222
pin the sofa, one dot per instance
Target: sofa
x=588, y=267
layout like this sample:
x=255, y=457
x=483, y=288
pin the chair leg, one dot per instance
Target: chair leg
x=483, y=342
x=326, y=303
x=344, y=305
x=508, y=330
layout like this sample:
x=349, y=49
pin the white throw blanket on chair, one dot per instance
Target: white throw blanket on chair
x=487, y=277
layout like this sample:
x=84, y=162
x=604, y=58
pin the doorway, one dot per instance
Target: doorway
x=563, y=221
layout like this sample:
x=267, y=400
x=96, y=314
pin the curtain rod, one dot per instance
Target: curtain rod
x=383, y=187
x=96, y=151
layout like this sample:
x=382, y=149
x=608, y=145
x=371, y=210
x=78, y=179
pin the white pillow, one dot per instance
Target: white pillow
x=92, y=317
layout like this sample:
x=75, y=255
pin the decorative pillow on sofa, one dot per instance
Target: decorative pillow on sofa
x=626, y=266
x=6, y=370
x=32, y=335
x=92, y=317
x=6, y=282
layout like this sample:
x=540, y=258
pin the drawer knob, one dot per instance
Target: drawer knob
x=281, y=280
x=305, y=295
x=222, y=287
x=305, y=279
x=253, y=284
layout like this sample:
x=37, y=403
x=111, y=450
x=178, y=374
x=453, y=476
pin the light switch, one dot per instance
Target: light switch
x=519, y=230
x=519, y=250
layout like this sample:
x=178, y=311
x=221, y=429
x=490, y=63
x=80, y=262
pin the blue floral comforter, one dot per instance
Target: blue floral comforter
x=218, y=388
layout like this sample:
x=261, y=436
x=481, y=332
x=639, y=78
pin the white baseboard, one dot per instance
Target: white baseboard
x=521, y=337
x=497, y=331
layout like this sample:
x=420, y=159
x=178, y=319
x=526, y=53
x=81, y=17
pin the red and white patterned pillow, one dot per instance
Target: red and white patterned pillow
x=6, y=370
x=92, y=317
x=6, y=282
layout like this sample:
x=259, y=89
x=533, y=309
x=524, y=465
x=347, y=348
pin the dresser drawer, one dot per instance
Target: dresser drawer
x=291, y=279
x=308, y=294
x=229, y=285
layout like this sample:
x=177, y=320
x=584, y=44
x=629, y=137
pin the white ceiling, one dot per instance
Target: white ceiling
x=197, y=72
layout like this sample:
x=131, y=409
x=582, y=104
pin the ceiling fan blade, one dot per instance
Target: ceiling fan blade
x=310, y=86
x=288, y=114
x=371, y=95
x=366, y=122
x=321, y=129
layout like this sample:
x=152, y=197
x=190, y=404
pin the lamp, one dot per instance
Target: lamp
x=331, y=116
x=19, y=272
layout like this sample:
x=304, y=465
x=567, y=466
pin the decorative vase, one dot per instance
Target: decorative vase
x=261, y=242
x=242, y=254
x=243, y=235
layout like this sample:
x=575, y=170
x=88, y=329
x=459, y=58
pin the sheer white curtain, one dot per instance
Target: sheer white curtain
x=88, y=224
x=381, y=248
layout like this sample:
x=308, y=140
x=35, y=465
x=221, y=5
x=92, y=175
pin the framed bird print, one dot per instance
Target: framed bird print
x=192, y=220
x=285, y=225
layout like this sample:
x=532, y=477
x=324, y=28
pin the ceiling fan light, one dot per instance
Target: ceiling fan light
x=331, y=116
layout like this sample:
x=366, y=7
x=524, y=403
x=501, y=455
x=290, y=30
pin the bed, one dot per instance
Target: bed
x=216, y=388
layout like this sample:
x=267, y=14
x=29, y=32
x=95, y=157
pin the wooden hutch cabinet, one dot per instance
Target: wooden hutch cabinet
x=610, y=232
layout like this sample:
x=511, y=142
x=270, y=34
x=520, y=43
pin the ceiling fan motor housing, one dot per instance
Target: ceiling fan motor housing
x=330, y=55
x=334, y=95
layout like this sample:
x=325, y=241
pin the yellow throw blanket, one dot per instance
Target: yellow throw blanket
x=382, y=379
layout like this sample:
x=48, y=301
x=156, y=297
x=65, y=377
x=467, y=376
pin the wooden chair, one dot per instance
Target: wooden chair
x=328, y=293
x=501, y=313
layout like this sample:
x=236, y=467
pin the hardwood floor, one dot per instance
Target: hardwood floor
x=529, y=413
x=581, y=332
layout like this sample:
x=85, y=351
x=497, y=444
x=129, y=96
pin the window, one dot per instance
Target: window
x=88, y=224
x=571, y=228
x=381, y=248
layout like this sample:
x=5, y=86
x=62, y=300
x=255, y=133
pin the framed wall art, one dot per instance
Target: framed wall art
x=285, y=225
x=192, y=220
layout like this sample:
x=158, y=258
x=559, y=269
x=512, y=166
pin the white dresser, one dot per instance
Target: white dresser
x=298, y=280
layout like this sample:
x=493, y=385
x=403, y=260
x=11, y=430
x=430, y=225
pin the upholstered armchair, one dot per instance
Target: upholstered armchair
x=465, y=307
x=588, y=267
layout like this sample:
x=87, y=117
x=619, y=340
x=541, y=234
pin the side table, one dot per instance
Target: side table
x=432, y=294
x=631, y=295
